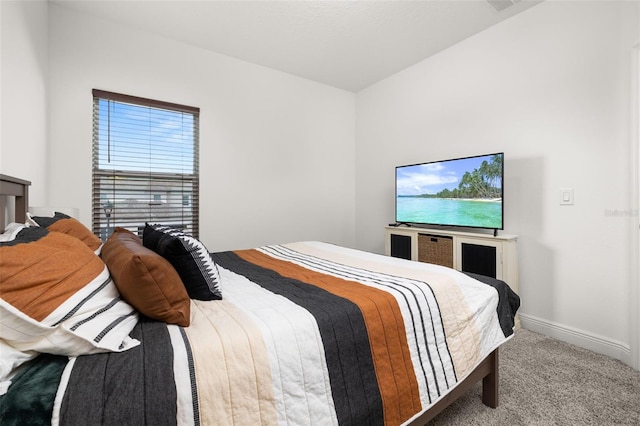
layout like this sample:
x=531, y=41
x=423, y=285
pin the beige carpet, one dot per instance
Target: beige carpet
x=547, y=382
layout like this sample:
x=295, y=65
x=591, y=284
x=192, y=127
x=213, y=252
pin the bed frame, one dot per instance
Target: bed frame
x=487, y=370
x=19, y=189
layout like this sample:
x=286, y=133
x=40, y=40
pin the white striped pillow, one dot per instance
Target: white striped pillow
x=57, y=297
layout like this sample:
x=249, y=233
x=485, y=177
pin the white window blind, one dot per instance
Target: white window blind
x=145, y=164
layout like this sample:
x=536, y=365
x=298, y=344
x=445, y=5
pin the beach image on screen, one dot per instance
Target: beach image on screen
x=461, y=192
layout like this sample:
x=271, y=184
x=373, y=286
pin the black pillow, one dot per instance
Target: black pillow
x=188, y=256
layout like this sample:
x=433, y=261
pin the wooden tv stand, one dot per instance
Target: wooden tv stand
x=470, y=252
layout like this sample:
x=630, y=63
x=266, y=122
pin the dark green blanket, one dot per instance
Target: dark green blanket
x=29, y=400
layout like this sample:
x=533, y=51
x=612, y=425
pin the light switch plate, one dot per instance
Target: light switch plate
x=566, y=196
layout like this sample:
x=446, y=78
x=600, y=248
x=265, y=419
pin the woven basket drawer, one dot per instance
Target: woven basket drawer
x=435, y=249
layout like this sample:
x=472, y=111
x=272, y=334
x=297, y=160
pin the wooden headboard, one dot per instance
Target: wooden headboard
x=19, y=189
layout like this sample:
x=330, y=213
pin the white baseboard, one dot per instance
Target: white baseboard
x=592, y=342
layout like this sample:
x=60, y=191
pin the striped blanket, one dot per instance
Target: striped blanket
x=307, y=333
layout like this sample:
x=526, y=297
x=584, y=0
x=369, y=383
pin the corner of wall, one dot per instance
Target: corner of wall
x=24, y=86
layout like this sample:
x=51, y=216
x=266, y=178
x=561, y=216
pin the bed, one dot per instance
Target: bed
x=298, y=333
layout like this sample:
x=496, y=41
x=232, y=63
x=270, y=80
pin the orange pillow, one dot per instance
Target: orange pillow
x=65, y=224
x=145, y=279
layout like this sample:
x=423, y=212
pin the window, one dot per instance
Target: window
x=145, y=164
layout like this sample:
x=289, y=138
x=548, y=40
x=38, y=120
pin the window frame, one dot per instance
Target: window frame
x=102, y=216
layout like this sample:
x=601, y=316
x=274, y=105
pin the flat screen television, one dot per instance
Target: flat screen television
x=465, y=192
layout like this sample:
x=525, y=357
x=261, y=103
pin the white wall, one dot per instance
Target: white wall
x=23, y=93
x=634, y=228
x=276, y=151
x=551, y=88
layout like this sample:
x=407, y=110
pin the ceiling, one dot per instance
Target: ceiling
x=345, y=44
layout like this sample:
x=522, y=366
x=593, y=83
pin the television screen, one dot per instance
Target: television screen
x=458, y=192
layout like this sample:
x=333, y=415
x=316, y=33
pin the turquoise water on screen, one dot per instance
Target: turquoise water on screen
x=446, y=211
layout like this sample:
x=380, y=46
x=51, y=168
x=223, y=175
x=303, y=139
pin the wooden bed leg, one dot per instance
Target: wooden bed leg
x=487, y=371
x=490, y=382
